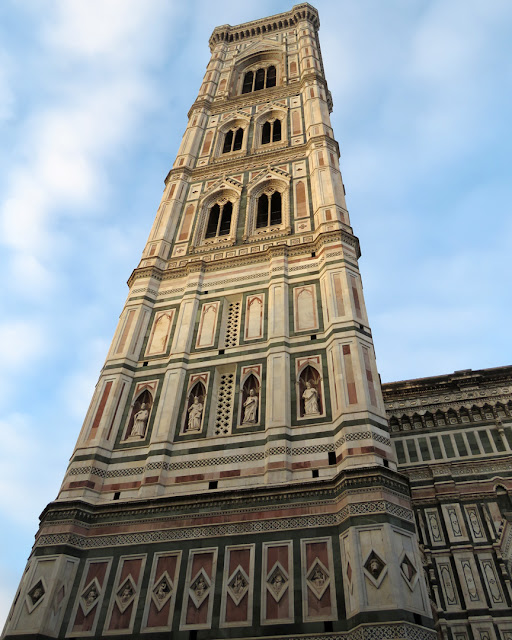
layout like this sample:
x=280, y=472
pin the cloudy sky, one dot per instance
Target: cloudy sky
x=93, y=103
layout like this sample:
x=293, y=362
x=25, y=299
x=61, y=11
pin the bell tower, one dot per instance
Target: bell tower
x=234, y=476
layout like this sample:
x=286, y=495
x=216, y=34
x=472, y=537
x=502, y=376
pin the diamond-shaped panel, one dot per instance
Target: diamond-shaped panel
x=277, y=581
x=238, y=585
x=375, y=568
x=199, y=588
x=162, y=591
x=408, y=571
x=90, y=596
x=318, y=578
x=35, y=595
x=126, y=594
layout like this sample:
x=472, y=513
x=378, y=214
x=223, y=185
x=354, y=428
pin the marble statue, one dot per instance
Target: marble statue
x=139, y=421
x=195, y=414
x=250, y=408
x=310, y=396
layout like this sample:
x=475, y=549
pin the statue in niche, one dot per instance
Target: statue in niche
x=195, y=407
x=309, y=392
x=140, y=415
x=250, y=401
x=195, y=414
x=251, y=408
x=310, y=396
x=140, y=420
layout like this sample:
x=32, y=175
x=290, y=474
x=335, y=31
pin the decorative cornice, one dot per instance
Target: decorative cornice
x=202, y=264
x=279, y=22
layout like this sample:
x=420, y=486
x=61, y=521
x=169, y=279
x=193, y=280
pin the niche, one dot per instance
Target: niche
x=310, y=393
x=139, y=418
x=250, y=404
x=194, y=414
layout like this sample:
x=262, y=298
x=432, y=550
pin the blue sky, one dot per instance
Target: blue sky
x=93, y=102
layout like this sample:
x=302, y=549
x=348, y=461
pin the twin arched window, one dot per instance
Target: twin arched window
x=271, y=132
x=219, y=220
x=260, y=79
x=233, y=140
x=269, y=210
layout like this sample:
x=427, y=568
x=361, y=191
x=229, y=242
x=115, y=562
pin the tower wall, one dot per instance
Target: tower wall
x=234, y=476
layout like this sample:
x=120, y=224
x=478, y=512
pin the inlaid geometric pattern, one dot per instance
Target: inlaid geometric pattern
x=224, y=405
x=233, y=325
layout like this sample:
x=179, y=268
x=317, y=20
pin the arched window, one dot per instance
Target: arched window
x=233, y=140
x=271, y=131
x=219, y=220
x=271, y=77
x=269, y=210
x=260, y=79
x=248, y=82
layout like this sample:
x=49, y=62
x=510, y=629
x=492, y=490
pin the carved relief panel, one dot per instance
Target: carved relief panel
x=199, y=589
x=125, y=595
x=318, y=584
x=91, y=592
x=277, y=583
x=237, y=586
x=161, y=594
x=40, y=605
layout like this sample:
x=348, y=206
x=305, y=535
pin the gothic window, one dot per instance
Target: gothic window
x=140, y=415
x=269, y=210
x=219, y=220
x=195, y=408
x=310, y=393
x=233, y=140
x=271, y=132
x=260, y=79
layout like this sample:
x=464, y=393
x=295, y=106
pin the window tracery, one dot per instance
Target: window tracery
x=262, y=78
x=271, y=131
x=268, y=210
x=233, y=140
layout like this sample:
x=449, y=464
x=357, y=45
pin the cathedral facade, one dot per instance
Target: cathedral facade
x=235, y=476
